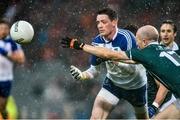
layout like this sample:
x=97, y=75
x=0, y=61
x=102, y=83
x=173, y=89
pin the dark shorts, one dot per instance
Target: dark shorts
x=137, y=97
x=5, y=88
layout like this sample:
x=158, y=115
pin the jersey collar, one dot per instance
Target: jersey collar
x=153, y=43
x=173, y=47
x=115, y=35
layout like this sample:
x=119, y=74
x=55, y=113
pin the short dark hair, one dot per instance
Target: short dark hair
x=171, y=23
x=109, y=12
x=2, y=21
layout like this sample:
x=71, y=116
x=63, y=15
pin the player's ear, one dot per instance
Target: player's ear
x=144, y=42
x=175, y=34
x=115, y=22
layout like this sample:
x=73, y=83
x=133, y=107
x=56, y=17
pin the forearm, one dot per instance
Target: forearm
x=160, y=95
x=87, y=75
x=101, y=52
x=18, y=57
x=105, y=53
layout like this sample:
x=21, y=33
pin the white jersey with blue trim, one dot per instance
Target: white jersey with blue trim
x=127, y=76
x=6, y=65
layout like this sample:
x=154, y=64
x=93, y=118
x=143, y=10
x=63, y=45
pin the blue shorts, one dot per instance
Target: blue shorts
x=5, y=88
x=137, y=97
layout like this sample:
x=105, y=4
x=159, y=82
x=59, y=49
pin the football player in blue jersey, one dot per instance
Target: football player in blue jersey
x=122, y=81
x=162, y=63
x=12, y=53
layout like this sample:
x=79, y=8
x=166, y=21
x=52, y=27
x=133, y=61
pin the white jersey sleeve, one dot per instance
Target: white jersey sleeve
x=93, y=71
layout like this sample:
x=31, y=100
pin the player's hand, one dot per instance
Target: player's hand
x=71, y=43
x=152, y=110
x=76, y=73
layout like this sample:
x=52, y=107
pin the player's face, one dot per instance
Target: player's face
x=167, y=34
x=140, y=41
x=106, y=27
x=4, y=30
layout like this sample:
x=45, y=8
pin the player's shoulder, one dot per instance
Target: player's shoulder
x=14, y=45
x=6, y=41
x=125, y=33
x=98, y=40
x=9, y=40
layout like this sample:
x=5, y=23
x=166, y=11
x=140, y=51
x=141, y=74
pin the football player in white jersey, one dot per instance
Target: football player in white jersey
x=14, y=53
x=122, y=81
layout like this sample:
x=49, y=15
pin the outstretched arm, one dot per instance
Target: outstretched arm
x=105, y=53
x=95, y=50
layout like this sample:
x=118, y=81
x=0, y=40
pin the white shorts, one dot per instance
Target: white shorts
x=112, y=99
x=108, y=96
x=177, y=103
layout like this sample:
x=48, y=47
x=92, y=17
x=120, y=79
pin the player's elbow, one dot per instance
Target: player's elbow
x=21, y=60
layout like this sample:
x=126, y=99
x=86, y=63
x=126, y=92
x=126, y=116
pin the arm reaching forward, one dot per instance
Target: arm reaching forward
x=105, y=53
x=97, y=51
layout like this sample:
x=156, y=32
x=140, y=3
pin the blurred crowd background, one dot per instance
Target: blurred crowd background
x=43, y=87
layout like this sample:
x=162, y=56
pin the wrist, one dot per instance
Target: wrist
x=155, y=107
x=78, y=45
x=155, y=104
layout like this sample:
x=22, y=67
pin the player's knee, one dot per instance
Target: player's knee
x=101, y=108
x=94, y=117
x=99, y=114
x=106, y=96
x=103, y=104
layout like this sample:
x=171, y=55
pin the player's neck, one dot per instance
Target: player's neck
x=170, y=45
x=111, y=35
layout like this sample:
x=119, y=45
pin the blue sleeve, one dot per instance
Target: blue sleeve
x=126, y=40
x=94, y=60
x=134, y=45
x=131, y=41
x=14, y=45
x=3, y=52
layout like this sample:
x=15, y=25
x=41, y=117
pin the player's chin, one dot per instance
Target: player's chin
x=102, y=34
x=166, y=41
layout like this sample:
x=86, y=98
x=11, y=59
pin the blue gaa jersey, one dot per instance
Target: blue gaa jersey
x=127, y=76
x=6, y=65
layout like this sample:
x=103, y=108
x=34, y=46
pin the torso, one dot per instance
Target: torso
x=123, y=75
x=166, y=68
x=6, y=65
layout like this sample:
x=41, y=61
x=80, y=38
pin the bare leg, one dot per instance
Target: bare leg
x=3, y=102
x=101, y=108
